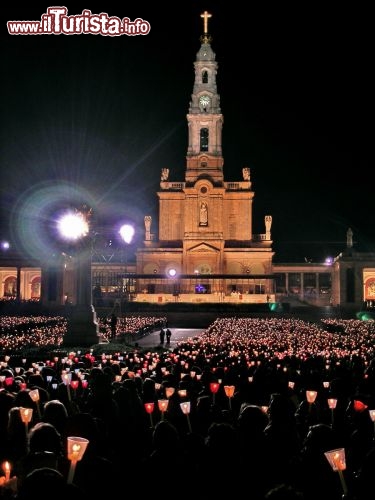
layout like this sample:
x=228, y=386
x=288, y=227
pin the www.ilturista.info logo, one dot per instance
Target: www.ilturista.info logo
x=57, y=22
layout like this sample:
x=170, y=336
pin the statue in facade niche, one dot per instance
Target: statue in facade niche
x=203, y=214
x=349, y=238
x=246, y=173
x=268, y=224
x=164, y=174
x=148, y=220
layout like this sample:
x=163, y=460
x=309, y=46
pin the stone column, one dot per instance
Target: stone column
x=83, y=328
x=302, y=284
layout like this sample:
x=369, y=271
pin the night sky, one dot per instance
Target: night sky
x=94, y=119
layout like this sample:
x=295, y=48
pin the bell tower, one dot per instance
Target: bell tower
x=205, y=121
x=205, y=222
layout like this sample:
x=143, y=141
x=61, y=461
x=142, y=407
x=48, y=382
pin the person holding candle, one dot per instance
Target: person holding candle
x=17, y=443
x=312, y=463
x=96, y=461
x=8, y=482
x=45, y=449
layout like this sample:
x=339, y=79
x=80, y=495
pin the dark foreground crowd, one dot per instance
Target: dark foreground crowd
x=248, y=409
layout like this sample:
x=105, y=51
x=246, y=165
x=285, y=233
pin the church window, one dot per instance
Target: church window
x=35, y=288
x=204, y=139
x=204, y=76
x=10, y=287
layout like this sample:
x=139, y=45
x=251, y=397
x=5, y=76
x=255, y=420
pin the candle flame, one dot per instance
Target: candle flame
x=6, y=469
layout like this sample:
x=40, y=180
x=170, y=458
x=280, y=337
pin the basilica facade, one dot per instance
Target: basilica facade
x=201, y=247
x=205, y=238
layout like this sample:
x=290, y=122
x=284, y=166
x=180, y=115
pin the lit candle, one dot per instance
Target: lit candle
x=34, y=395
x=76, y=449
x=169, y=391
x=372, y=416
x=6, y=469
x=66, y=378
x=340, y=466
x=214, y=387
x=311, y=396
x=185, y=407
x=26, y=416
x=332, y=403
x=149, y=407
x=336, y=458
x=229, y=392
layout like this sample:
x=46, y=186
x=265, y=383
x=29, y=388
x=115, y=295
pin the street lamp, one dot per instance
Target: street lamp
x=82, y=328
x=172, y=273
x=126, y=232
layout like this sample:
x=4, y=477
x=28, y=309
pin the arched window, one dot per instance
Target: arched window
x=204, y=76
x=204, y=139
x=10, y=287
x=35, y=288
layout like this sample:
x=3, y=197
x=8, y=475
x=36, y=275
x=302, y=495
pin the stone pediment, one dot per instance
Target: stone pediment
x=203, y=248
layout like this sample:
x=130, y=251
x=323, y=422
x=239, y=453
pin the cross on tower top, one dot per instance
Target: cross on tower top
x=205, y=16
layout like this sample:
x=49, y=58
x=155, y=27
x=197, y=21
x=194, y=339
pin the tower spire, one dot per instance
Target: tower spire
x=205, y=38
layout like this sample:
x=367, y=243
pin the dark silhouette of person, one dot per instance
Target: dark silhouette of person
x=56, y=413
x=162, y=335
x=312, y=462
x=113, y=323
x=166, y=454
x=168, y=334
x=45, y=482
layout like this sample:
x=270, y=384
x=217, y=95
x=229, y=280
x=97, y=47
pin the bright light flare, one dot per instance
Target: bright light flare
x=127, y=233
x=73, y=226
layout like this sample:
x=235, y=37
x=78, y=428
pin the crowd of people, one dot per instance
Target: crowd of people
x=249, y=407
x=20, y=332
